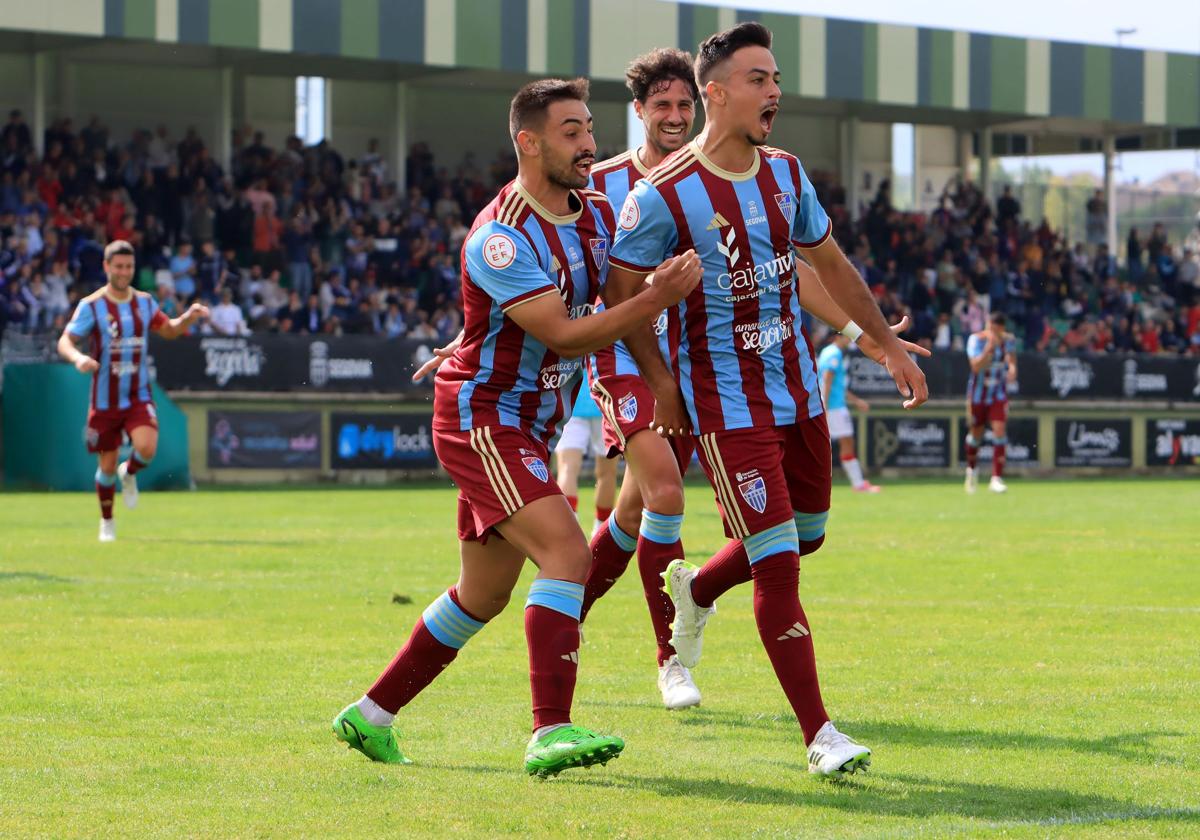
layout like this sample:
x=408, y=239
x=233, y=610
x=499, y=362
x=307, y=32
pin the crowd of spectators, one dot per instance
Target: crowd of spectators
x=299, y=239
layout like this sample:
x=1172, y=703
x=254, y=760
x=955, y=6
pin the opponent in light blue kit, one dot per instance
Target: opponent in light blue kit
x=833, y=371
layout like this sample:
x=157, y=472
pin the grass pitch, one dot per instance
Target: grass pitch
x=1025, y=665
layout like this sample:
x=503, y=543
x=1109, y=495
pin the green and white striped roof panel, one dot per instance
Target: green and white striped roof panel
x=820, y=57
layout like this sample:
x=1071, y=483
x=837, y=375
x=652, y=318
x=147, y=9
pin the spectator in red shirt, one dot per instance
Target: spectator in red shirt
x=1150, y=338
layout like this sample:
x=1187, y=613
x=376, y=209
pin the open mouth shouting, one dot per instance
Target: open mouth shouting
x=766, y=118
x=583, y=165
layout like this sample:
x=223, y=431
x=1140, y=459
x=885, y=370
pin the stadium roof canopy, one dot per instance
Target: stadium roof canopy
x=1062, y=96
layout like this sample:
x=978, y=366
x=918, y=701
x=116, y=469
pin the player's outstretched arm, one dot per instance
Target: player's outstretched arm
x=67, y=349
x=176, y=327
x=545, y=317
x=820, y=305
x=670, y=415
x=982, y=359
x=852, y=296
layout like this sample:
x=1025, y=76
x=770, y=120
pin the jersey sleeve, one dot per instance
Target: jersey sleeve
x=975, y=346
x=83, y=321
x=503, y=263
x=157, y=318
x=810, y=224
x=646, y=231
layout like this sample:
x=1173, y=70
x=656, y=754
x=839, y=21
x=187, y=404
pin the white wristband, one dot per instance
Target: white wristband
x=852, y=331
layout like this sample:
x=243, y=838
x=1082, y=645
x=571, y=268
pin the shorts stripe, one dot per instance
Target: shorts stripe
x=737, y=523
x=502, y=468
x=605, y=402
x=502, y=483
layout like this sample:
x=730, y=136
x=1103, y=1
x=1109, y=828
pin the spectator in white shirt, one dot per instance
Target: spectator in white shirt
x=227, y=318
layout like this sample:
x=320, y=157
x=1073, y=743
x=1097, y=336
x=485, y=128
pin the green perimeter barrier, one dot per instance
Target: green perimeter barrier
x=45, y=411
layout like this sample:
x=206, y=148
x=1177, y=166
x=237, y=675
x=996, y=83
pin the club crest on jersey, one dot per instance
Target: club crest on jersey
x=599, y=251
x=754, y=492
x=787, y=205
x=537, y=468
x=631, y=214
x=628, y=407
x=499, y=251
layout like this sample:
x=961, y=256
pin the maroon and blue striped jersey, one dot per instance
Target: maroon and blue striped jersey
x=743, y=358
x=518, y=251
x=990, y=385
x=116, y=335
x=615, y=178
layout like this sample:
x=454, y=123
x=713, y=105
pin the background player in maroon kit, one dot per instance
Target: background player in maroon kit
x=649, y=511
x=115, y=321
x=992, y=354
x=533, y=264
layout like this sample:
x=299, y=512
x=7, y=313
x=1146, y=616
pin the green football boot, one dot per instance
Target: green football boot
x=569, y=746
x=377, y=743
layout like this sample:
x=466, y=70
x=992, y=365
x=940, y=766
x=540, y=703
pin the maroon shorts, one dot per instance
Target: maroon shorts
x=764, y=476
x=627, y=408
x=104, y=428
x=983, y=413
x=498, y=470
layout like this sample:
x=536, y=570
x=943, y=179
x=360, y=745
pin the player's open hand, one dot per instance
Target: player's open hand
x=910, y=379
x=440, y=354
x=670, y=415
x=875, y=353
x=86, y=364
x=676, y=277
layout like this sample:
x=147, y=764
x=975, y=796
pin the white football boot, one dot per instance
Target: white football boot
x=833, y=755
x=108, y=530
x=997, y=485
x=675, y=683
x=688, y=628
x=971, y=482
x=129, y=491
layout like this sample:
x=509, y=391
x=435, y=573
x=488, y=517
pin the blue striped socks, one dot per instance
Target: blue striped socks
x=448, y=623
x=562, y=596
x=662, y=528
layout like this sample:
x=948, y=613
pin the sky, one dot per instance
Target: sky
x=1161, y=24
x=1172, y=25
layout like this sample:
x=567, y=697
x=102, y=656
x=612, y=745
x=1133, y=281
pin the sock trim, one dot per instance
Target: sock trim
x=562, y=596
x=137, y=456
x=1000, y=441
x=972, y=442
x=624, y=541
x=446, y=622
x=662, y=528
x=775, y=540
x=810, y=526
x=106, y=479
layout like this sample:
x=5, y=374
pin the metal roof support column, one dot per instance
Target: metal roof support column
x=1110, y=193
x=37, y=111
x=848, y=162
x=985, y=163
x=965, y=153
x=400, y=124
x=224, y=119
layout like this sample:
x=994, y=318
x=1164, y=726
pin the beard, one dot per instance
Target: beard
x=564, y=173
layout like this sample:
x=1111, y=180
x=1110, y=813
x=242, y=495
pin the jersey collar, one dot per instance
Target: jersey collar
x=537, y=207
x=636, y=156
x=725, y=173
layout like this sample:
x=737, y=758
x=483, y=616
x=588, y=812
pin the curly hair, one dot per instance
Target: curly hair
x=651, y=73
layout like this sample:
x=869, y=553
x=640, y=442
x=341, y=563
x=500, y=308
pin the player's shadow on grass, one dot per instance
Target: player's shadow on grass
x=215, y=541
x=1137, y=747
x=36, y=577
x=903, y=795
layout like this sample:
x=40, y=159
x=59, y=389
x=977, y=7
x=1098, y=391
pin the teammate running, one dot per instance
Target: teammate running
x=831, y=368
x=747, y=385
x=532, y=266
x=993, y=357
x=115, y=320
x=650, y=504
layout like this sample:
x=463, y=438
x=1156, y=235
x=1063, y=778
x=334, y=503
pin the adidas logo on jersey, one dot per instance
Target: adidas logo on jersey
x=718, y=221
x=796, y=631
